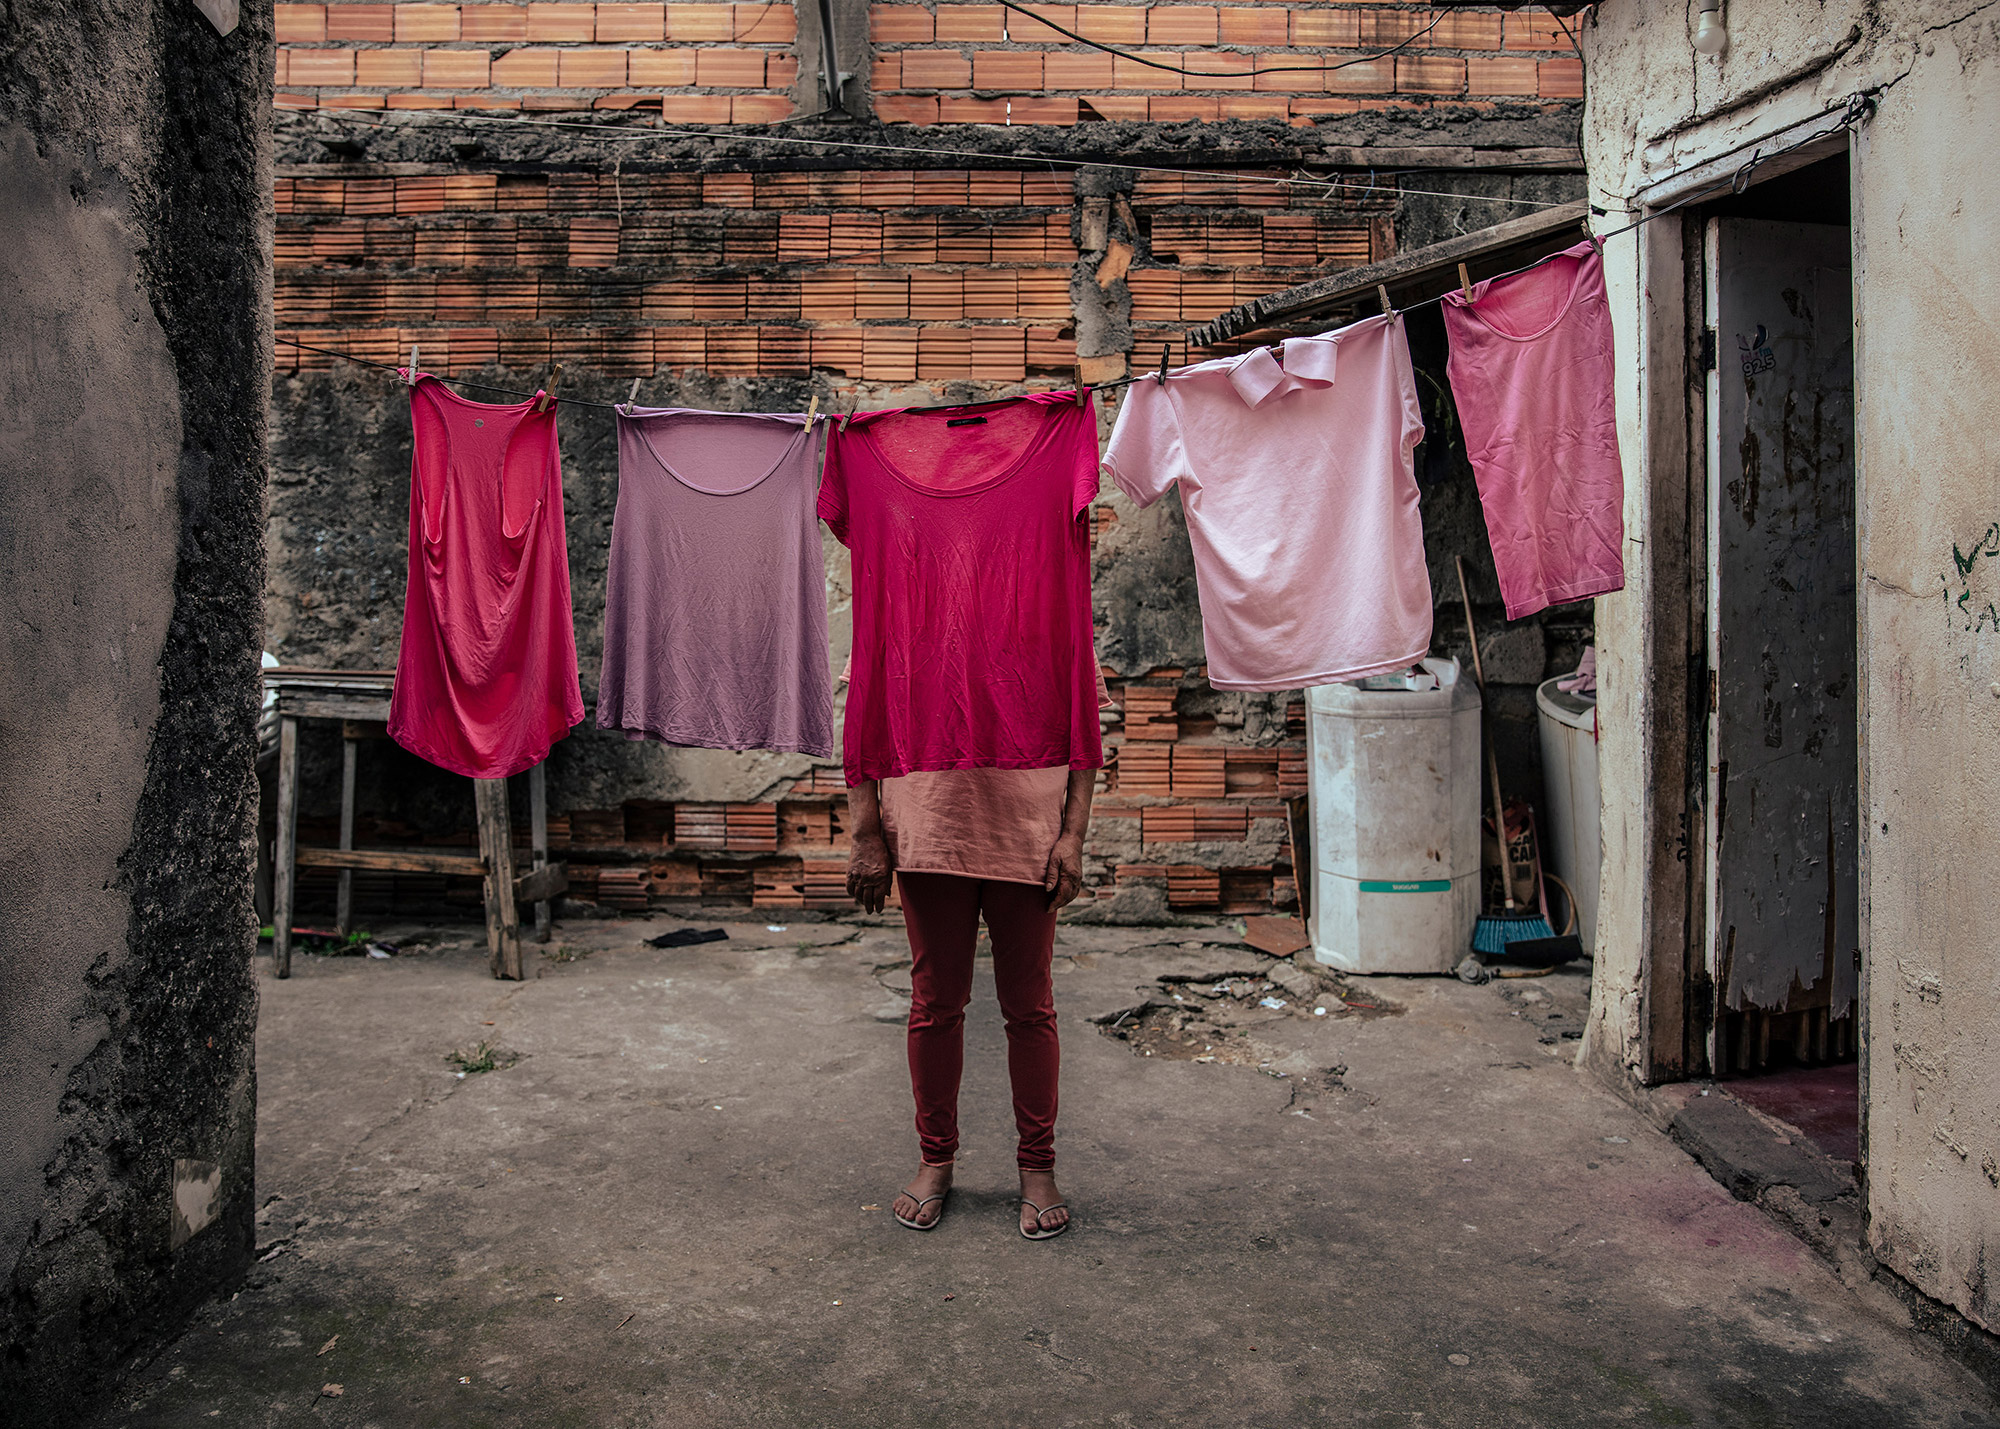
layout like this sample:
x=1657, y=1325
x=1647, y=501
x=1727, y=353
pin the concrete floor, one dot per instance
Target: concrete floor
x=671, y=1210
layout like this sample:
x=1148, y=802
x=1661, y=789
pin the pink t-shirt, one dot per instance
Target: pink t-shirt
x=1301, y=503
x=971, y=577
x=1531, y=373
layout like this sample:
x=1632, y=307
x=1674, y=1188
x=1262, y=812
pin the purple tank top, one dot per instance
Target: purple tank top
x=715, y=600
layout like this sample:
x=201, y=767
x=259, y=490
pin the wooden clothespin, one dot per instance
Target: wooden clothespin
x=1166, y=350
x=549, y=392
x=1382, y=292
x=1465, y=282
x=632, y=397
x=410, y=377
x=1082, y=392
x=812, y=411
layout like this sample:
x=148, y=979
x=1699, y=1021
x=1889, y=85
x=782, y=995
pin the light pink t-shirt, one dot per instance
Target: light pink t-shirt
x=1531, y=373
x=1301, y=503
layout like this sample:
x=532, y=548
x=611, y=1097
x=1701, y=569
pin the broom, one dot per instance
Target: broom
x=1494, y=931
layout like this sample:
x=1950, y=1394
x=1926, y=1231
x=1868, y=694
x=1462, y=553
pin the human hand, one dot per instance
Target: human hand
x=869, y=870
x=1062, y=877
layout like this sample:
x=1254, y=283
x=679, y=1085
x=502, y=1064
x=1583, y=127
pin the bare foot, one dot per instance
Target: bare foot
x=1040, y=1188
x=929, y=1181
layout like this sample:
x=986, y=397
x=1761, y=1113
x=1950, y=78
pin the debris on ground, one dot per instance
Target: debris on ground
x=687, y=937
x=1278, y=935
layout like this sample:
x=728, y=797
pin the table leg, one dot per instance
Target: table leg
x=344, y=900
x=538, y=840
x=288, y=839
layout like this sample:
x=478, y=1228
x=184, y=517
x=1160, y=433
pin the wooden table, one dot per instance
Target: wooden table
x=360, y=700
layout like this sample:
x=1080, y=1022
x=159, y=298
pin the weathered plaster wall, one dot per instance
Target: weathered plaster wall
x=1927, y=218
x=133, y=359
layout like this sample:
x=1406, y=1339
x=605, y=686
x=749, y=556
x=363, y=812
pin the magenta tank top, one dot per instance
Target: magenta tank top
x=486, y=676
x=971, y=555
x=715, y=600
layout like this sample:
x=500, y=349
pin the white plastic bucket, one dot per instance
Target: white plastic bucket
x=1394, y=797
x=1569, y=773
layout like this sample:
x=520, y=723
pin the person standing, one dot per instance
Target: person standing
x=1005, y=845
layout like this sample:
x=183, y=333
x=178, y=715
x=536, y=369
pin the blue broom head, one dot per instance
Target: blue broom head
x=1494, y=931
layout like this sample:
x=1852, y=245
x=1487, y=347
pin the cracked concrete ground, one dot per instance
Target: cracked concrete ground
x=672, y=1210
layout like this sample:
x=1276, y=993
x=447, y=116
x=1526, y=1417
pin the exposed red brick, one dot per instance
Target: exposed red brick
x=1562, y=78
x=1112, y=24
x=418, y=24
x=694, y=108
x=1429, y=74
x=767, y=24
x=935, y=69
x=1023, y=30
x=1466, y=31
x=1080, y=71
x=320, y=67
x=1254, y=25
x=568, y=22
x=956, y=22
x=1176, y=108
x=889, y=354
x=1181, y=25
x=388, y=67
x=881, y=294
x=489, y=23
x=628, y=24
x=1007, y=69
x=759, y=108
x=961, y=109
x=372, y=24
x=899, y=24
x=802, y=238
x=687, y=23
x=1497, y=74
x=1372, y=77
x=729, y=69
x=838, y=350
x=998, y=354
x=300, y=24
x=590, y=69
x=906, y=109
x=1526, y=30
x=937, y=296
x=668, y=67
x=1048, y=109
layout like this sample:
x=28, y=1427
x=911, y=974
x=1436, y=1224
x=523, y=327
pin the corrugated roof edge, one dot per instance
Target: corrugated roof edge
x=1416, y=276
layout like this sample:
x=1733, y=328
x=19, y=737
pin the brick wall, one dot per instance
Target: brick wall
x=728, y=275
x=945, y=62
x=694, y=63
x=959, y=63
x=884, y=276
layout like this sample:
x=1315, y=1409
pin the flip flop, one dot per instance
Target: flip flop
x=911, y=1223
x=1038, y=1233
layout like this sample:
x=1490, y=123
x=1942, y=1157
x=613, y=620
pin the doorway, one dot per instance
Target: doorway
x=1781, y=937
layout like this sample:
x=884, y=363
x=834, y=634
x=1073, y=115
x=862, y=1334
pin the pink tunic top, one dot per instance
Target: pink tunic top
x=1301, y=503
x=971, y=576
x=715, y=595
x=486, y=677
x=1531, y=373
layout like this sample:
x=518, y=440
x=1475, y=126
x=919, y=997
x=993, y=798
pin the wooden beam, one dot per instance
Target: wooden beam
x=496, y=842
x=288, y=838
x=541, y=884
x=343, y=915
x=538, y=844
x=393, y=860
x=1411, y=277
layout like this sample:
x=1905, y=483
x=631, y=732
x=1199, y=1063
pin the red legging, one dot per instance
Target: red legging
x=941, y=912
